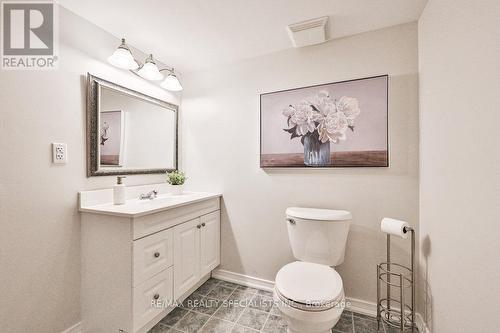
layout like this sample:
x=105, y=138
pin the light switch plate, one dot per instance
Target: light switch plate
x=59, y=153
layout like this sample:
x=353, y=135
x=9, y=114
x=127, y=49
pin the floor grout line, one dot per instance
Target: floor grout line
x=184, y=315
x=265, y=322
x=251, y=293
x=218, y=284
x=241, y=314
x=190, y=310
x=352, y=322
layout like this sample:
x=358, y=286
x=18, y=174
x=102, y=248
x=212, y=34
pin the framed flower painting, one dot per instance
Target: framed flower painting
x=341, y=124
x=111, y=138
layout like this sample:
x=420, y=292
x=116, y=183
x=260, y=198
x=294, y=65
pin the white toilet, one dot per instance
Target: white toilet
x=309, y=292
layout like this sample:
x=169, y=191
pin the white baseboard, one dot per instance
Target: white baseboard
x=370, y=309
x=77, y=328
x=244, y=280
x=354, y=304
x=360, y=306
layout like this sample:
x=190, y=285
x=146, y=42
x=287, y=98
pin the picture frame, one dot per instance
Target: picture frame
x=338, y=124
x=111, y=138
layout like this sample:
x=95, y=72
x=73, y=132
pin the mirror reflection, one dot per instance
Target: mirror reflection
x=133, y=133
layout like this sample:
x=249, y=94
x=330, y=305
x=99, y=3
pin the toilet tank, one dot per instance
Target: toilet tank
x=318, y=235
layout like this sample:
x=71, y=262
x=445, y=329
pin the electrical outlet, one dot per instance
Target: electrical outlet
x=59, y=153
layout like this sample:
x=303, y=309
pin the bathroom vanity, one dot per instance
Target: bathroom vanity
x=141, y=257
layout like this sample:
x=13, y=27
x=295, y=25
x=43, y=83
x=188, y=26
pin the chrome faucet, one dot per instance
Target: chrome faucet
x=150, y=195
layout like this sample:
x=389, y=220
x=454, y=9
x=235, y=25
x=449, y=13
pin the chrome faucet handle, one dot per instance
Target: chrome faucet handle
x=150, y=195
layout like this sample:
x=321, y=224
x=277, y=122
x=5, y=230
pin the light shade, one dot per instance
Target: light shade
x=149, y=70
x=171, y=83
x=123, y=58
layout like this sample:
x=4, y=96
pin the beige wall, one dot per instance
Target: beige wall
x=39, y=222
x=221, y=152
x=459, y=54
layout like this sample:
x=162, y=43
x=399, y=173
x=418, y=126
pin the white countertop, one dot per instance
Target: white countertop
x=98, y=202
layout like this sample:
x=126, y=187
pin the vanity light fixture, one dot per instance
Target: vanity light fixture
x=171, y=82
x=123, y=58
x=149, y=70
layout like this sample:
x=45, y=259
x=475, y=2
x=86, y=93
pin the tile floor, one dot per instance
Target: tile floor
x=220, y=307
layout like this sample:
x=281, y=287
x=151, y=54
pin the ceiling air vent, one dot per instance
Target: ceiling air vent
x=308, y=32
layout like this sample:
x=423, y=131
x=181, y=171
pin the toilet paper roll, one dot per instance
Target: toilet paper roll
x=394, y=227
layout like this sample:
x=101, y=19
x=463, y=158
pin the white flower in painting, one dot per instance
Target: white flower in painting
x=303, y=116
x=333, y=127
x=324, y=104
x=322, y=95
x=331, y=118
x=349, y=106
x=289, y=111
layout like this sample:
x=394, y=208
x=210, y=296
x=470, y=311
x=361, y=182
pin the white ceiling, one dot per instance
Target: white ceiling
x=195, y=34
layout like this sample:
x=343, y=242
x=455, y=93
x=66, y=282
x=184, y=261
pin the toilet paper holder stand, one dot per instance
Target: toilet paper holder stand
x=393, y=308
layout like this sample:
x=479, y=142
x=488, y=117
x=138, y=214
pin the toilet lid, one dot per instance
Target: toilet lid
x=318, y=214
x=310, y=284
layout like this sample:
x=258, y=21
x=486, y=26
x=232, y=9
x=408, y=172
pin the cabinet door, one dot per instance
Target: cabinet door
x=186, y=256
x=210, y=242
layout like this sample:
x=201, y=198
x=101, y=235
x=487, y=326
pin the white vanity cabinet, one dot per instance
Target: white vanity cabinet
x=138, y=258
x=209, y=242
x=196, y=251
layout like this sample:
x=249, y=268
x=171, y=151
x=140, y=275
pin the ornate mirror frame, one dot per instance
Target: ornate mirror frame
x=93, y=84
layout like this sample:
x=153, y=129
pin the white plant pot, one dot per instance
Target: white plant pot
x=177, y=189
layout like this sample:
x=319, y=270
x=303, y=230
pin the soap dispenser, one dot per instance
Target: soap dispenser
x=119, y=191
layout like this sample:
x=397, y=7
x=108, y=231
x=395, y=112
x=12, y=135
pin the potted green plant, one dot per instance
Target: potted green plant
x=176, y=178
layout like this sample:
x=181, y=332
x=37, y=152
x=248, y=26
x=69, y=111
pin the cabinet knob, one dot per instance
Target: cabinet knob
x=203, y=224
x=198, y=226
x=156, y=296
x=157, y=254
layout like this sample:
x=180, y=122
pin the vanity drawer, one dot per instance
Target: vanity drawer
x=156, y=291
x=146, y=225
x=152, y=254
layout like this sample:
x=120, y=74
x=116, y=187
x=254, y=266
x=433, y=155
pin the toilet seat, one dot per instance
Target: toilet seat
x=309, y=286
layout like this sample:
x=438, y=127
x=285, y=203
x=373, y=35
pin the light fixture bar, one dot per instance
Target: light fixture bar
x=123, y=58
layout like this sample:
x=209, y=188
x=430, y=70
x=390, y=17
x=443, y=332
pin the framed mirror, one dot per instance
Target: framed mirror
x=128, y=132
